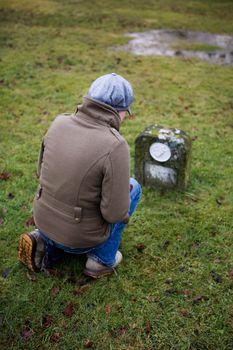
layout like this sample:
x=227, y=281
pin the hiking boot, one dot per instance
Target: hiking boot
x=97, y=270
x=31, y=250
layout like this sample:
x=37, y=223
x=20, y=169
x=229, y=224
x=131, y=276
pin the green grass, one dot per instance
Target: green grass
x=179, y=45
x=166, y=297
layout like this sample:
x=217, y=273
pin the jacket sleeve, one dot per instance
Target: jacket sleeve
x=115, y=200
x=40, y=158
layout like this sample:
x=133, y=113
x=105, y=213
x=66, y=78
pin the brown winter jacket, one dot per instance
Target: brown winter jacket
x=84, y=176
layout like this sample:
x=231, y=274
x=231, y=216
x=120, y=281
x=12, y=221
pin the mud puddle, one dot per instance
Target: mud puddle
x=214, y=48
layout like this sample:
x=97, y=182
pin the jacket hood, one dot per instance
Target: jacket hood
x=100, y=112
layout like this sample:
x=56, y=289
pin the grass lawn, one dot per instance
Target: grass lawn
x=177, y=292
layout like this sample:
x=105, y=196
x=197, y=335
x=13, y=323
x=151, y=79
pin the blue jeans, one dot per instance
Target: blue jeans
x=104, y=253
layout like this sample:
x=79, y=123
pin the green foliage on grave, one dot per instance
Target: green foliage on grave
x=174, y=287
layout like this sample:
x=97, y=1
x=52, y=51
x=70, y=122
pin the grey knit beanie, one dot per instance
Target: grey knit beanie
x=113, y=90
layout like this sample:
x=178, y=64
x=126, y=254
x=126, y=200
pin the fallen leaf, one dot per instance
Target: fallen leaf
x=47, y=321
x=194, y=138
x=5, y=176
x=230, y=273
x=30, y=277
x=88, y=344
x=80, y=290
x=199, y=298
x=30, y=222
x=123, y=330
x=107, y=309
x=184, y=312
x=169, y=280
x=152, y=299
x=148, y=328
x=140, y=247
x=69, y=310
x=171, y=291
x=55, y=337
x=11, y=196
x=196, y=243
x=6, y=272
x=63, y=324
x=27, y=333
x=187, y=293
x=55, y=291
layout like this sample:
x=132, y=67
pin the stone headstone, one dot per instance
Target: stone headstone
x=163, y=158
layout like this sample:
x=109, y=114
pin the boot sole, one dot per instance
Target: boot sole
x=98, y=274
x=27, y=248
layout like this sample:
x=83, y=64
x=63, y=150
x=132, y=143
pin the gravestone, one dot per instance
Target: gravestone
x=163, y=158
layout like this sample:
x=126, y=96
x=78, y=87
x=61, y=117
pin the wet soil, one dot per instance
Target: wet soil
x=214, y=48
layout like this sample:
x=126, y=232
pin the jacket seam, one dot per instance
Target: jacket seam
x=41, y=155
x=85, y=175
x=109, y=156
x=110, y=202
